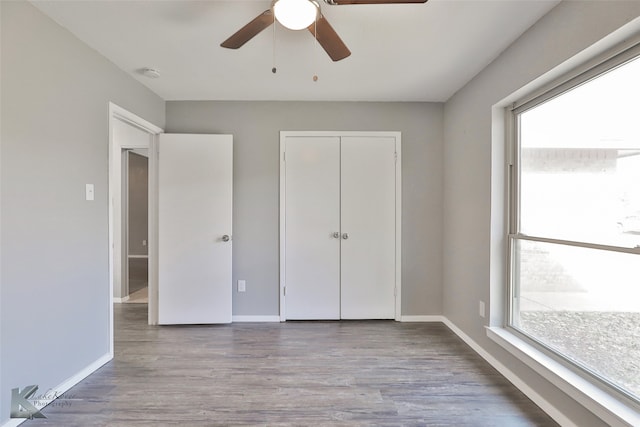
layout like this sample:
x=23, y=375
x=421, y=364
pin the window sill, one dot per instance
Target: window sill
x=604, y=405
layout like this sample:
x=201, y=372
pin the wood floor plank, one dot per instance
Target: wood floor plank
x=349, y=373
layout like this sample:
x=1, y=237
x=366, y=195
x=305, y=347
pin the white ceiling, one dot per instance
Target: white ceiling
x=423, y=52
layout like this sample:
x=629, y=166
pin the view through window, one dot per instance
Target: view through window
x=575, y=232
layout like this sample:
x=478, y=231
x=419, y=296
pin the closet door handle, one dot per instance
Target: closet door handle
x=336, y=235
x=345, y=236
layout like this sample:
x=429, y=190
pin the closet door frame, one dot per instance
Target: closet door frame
x=398, y=199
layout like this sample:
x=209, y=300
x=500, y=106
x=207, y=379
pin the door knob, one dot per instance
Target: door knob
x=336, y=235
x=226, y=238
x=345, y=236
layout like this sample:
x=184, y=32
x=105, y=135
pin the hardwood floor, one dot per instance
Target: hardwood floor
x=349, y=373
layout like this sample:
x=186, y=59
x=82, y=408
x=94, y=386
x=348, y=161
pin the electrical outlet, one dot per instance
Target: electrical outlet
x=242, y=285
x=481, y=309
x=144, y=243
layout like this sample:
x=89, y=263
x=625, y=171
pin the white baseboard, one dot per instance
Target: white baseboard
x=75, y=379
x=544, y=404
x=121, y=300
x=13, y=422
x=63, y=387
x=262, y=319
x=434, y=318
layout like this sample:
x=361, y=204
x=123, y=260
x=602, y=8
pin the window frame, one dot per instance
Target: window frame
x=513, y=204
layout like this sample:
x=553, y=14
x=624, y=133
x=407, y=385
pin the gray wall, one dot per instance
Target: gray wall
x=255, y=127
x=54, y=290
x=468, y=161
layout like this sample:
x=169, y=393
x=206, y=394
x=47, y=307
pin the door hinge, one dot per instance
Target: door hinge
x=284, y=156
x=284, y=291
x=395, y=156
x=395, y=292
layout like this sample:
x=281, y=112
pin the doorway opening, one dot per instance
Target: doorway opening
x=135, y=189
x=129, y=136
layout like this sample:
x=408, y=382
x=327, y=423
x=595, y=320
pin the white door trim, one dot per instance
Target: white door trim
x=398, y=249
x=115, y=194
x=398, y=226
x=283, y=205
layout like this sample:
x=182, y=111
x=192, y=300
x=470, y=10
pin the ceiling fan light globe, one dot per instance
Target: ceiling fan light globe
x=295, y=14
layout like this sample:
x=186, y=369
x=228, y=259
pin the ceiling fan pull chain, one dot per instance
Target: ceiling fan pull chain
x=315, y=47
x=274, y=69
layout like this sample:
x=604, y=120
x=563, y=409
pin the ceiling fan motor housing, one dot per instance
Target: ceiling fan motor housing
x=295, y=14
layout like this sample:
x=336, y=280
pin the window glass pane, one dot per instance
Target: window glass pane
x=583, y=303
x=580, y=162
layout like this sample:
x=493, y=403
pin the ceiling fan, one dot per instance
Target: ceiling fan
x=301, y=14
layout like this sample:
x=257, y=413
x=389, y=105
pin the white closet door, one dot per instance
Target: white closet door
x=312, y=261
x=368, y=228
x=194, y=216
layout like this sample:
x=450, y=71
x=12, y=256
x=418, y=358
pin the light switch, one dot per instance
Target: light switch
x=90, y=195
x=242, y=285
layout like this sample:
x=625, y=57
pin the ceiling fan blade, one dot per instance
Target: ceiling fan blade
x=249, y=31
x=329, y=39
x=342, y=2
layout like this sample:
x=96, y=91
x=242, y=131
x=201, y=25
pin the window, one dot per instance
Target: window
x=574, y=229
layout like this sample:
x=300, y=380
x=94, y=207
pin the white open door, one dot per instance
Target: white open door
x=194, y=228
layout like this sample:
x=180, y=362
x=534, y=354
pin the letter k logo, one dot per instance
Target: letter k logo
x=19, y=399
